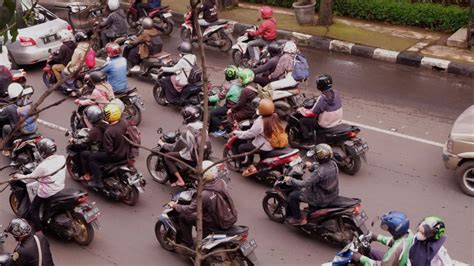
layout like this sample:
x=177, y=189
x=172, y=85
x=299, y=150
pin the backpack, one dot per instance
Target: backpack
x=265, y=92
x=225, y=212
x=90, y=58
x=195, y=75
x=197, y=141
x=279, y=138
x=133, y=134
x=300, y=68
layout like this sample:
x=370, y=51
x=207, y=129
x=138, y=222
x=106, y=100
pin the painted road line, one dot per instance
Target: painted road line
x=51, y=125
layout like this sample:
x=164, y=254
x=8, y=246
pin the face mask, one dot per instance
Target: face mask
x=420, y=237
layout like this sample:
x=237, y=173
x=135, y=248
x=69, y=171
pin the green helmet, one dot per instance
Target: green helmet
x=434, y=227
x=231, y=72
x=246, y=76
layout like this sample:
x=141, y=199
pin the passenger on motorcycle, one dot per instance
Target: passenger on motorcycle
x=326, y=112
x=209, y=13
x=115, y=68
x=115, y=25
x=397, y=224
x=51, y=174
x=231, y=93
x=262, y=72
x=283, y=72
x=428, y=247
x=267, y=31
x=115, y=146
x=187, y=213
x=102, y=93
x=244, y=109
x=146, y=44
x=260, y=132
x=26, y=251
x=185, y=148
x=143, y=8
x=320, y=189
x=181, y=71
x=64, y=55
x=79, y=53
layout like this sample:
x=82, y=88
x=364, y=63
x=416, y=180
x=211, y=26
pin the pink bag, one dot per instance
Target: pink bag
x=90, y=58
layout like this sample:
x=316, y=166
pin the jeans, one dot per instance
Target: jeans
x=287, y=82
x=215, y=117
x=96, y=160
x=185, y=235
x=293, y=209
x=253, y=48
x=34, y=212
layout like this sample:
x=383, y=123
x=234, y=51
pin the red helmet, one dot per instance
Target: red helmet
x=266, y=12
x=113, y=49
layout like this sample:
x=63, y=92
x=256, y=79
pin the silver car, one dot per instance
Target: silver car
x=34, y=41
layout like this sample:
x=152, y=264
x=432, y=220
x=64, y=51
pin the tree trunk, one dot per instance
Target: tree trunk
x=225, y=4
x=325, y=12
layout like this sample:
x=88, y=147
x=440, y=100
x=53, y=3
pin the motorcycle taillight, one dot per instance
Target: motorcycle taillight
x=82, y=199
x=352, y=134
x=131, y=162
x=356, y=210
x=244, y=237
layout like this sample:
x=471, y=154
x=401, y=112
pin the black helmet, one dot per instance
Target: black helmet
x=94, y=113
x=19, y=228
x=323, y=153
x=46, y=147
x=185, y=47
x=97, y=77
x=274, y=49
x=190, y=114
x=324, y=82
x=80, y=36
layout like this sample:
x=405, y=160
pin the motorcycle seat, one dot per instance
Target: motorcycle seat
x=110, y=166
x=219, y=22
x=339, y=202
x=29, y=136
x=67, y=193
x=234, y=230
x=282, y=153
x=339, y=129
x=126, y=92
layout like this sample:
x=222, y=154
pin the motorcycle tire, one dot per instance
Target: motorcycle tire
x=71, y=169
x=349, y=230
x=49, y=79
x=168, y=27
x=133, y=114
x=158, y=94
x=186, y=34
x=227, y=42
x=159, y=175
x=232, y=164
x=14, y=204
x=162, y=236
x=132, y=197
x=353, y=166
x=463, y=174
x=279, y=213
x=85, y=233
x=237, y=57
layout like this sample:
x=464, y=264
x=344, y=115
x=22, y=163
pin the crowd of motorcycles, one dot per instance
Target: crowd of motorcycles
x=72, y=216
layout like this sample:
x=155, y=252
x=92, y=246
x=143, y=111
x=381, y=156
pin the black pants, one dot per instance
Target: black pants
x=247, y=147
x=263, y=81
x=85, y=158
x=131, y=53
x=215, y=117
x=96, y=160
x=294, y=205
x=186, y=231
x=307, y=127
x=34, y=212
x=173, y=165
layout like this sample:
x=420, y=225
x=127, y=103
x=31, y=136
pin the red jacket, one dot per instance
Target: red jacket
x=268, y=30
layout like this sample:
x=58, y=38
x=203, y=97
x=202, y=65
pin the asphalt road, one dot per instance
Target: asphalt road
x=401, y=174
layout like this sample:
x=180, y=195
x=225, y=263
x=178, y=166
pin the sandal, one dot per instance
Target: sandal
x=176, y=184
x=251, y=170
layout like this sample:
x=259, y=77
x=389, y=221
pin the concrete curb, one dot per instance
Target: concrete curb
x=328, y=44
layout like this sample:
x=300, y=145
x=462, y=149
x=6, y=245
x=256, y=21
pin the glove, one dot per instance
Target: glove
x=356, y=256
x=287, y=179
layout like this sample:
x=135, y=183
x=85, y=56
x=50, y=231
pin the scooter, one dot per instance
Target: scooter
x=160, y=15
x=344, y=257
x=227, y=247
x=134, y=106
x=190, y=95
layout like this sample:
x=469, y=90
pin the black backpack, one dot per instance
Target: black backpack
x=195, y=75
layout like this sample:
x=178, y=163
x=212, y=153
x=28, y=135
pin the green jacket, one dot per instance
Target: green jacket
x=396, y=255
x=231, y=94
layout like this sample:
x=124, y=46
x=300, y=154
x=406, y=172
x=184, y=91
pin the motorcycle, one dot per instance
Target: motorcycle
x=4, y=256
x=25, y=155
x=162, y=16
x=217, y=34
x=349, y=150
x=122, y=181
x=190, y=95
x=230, y=246
x=68, y=213
x=344, y=257
x=134, y=105
x=19, y=76
x=287, y=100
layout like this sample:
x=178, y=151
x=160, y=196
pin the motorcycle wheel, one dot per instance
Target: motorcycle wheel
x=227, y=42
x=84, y=232
x=71, y=169
x=132, y=197
x=292, y=140
x=14, y=204
x=237, y=57
x=162, y=235
x=185, y=34
x=133, y=114
x=167, y=27
x=353, y=166
x=232, y=164
x=157, y=91
x=349, y=230
x=48, y=79
x=159, y=175
x=274, y=208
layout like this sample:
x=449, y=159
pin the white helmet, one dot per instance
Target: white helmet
x=66, y=35
x=113, y=5
x=290, y=47
x=119, y=103
x=212, y=173
x=14, y=90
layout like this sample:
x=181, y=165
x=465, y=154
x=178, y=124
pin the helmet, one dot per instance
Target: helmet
x=14, y=90
x=97, y=77
x=274, y=48
x=211, y=173
x=190, y=114
x=324, y=82
x=434, y=227
x=246, y=76
x=147, y=23
x=19, y=227
x=46, y=147
x=66, y=35
x=112, y=113
x=396, y=223
x=266, y=12
x=290, y=47
x=119, y=103
x=231, y=72
x=94, y=113
x=113, y=5
x=80, y=36
x=323, y=152
x=185, y=47
x=266, y=107
x=113, y=49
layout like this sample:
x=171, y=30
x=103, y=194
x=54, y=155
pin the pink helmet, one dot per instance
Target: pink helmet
x=266, y=12
x=113, y=49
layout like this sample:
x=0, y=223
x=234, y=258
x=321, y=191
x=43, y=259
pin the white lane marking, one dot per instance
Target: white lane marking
x=51, y=125
x=388, y=132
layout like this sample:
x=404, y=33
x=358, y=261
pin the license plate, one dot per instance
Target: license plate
x=91, y=215
x=50, y=38
x=360, y=218
x=295, y=162
x=167, y=15
x=248, y=247
x=359, y=149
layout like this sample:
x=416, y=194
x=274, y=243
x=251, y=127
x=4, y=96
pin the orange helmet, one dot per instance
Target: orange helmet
x=266, y=107
x=266, y=12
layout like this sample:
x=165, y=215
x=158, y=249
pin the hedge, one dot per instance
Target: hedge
x=427, y=15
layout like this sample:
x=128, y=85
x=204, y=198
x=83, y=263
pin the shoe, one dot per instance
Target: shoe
x=294, y=221
x=251, y=170
x=135, y=69
x=219, y=133
x=6, y=153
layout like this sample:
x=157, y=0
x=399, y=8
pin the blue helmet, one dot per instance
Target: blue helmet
x=396, y=223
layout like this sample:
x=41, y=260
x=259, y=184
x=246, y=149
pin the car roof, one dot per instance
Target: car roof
x=464, y=124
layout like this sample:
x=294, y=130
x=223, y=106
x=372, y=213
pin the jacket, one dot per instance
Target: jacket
x=268, y=67
x=230, y=92
x=268, y=30
x=117, y=22
x=101, y=95
x=65, y=53
x=26, y=253
x=255, y=133
x=77, y=57
x=244, y=109
x=144, y=42
x=50, y=184
x=116, y=70
x=322, y=187
x=285, y=65
x=429, y=253
x=186, y=145
x=209, y=12
x=328, y=107
x=114, y=143
x=396, y=255
x=182, y=69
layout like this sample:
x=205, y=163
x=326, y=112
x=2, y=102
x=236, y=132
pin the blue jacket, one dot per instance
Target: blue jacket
x=116, y=70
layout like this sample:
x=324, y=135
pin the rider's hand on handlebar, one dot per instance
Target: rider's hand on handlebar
x=287, y=179
x=172, y=204
x=18, y=176
x=160, y=142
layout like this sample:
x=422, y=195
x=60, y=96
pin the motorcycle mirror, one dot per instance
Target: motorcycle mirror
x=68, y=133
x=310, y=153
x=159, y=131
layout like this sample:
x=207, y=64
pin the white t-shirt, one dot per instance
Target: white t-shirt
x=50, y=185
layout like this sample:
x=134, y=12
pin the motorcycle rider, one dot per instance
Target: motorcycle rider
x=244, y=109
x=115, y=68
x=318, y=190
x=26, y=251
x=327, y=109
x=231, y=93
x=79, y=53
x=115, y=146
x=187, y=213
x=267, y=31
x=64, y=55
x=115, y=25
x=102, y=93
x=283, y=72
x=428, y=248
x=51, y=174
x=147, y=43
x=143, y=8
x=262, y=72
x=209, y=13
x=397, y=224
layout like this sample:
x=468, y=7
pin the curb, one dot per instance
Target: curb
x=328, y=44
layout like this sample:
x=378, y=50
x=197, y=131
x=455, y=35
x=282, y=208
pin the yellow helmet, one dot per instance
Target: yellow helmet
x=112, y=113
